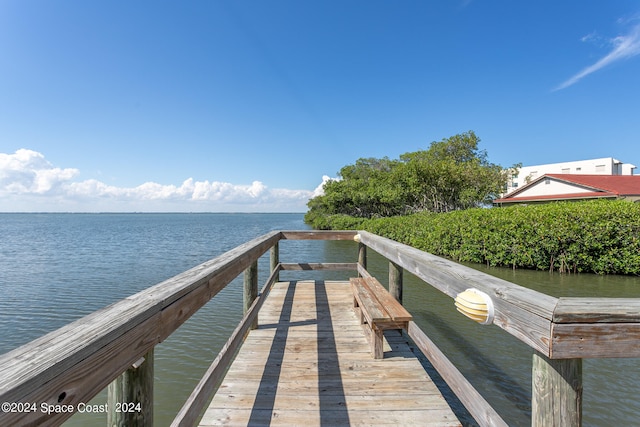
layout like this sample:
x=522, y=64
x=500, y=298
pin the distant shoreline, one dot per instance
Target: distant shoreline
x=151, y=213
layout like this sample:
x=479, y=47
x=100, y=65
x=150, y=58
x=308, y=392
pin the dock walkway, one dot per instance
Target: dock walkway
x=309, y=363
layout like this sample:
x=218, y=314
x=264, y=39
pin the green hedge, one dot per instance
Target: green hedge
x=592, y=236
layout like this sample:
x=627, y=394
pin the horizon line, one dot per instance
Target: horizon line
x=146, y=212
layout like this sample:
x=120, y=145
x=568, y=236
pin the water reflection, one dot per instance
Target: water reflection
x=499, y=365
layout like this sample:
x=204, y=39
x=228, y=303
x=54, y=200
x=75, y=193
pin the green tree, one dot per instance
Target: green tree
x=452, y=174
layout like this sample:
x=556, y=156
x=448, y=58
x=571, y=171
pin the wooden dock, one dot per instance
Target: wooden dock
x=309, y=363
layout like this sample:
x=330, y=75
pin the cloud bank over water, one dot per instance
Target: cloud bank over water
x=29, y=182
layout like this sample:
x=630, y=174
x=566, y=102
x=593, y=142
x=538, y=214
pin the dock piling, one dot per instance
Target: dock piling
x=250, y=289
x=130, y=396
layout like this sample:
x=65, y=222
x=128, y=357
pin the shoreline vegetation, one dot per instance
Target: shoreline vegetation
x=437, y=200
x=598, y=236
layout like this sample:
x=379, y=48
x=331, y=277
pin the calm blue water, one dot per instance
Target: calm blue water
x=56, y=268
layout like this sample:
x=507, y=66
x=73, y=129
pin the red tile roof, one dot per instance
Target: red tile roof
x=622, y=185
x=602, y=186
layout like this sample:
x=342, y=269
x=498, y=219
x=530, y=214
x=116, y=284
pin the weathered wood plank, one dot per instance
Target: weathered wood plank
x=318, y=234
x=395, y=281
x=274, y=259
x=362, y=270
x=595, y=340
x=250, y=290
x=477, y=406
x=533, y=310
x=377, y=390
x=191, y=410
x=556, y=396
x=362, y=260
x=319, y=372
x=595, y=310
x=134, y=386
x=313, y=373
x=312, y=401
x=72, y=364
x=378, y=311
x=428, y=418
x=336, y=266
x=372, y=310
x=394, y=309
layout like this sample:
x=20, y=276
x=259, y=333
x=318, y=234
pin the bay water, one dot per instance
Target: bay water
x=56, y=268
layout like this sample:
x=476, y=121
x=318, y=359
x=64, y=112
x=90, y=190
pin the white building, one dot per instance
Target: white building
x=603, y=166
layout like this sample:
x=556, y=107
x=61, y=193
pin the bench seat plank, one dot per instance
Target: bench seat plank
x=378, y=311
x=394, y=309
x=375, y=312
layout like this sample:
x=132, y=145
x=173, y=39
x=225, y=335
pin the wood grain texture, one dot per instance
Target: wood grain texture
x=74, y=363
x=595, y=340
x=524, y=313
x=477, y=406
x=556, y=397
x=134, y=386
x=395, y=281
x=326, y=266
x=318, y=234
x=597, y=310
x=192, y=408
x=308, y=363
x=395, y=311
x=377, y=311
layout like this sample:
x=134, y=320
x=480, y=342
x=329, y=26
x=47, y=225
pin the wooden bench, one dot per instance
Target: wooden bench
x=378, y=311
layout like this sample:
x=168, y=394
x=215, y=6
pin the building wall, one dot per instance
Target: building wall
x=551, y=186
x=602, y=166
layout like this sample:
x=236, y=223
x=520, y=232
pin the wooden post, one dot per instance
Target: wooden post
x=362, y=255
x=395, y=281
x=251, y=289
x=275, y=259
x=130, y=396
x=556, y=398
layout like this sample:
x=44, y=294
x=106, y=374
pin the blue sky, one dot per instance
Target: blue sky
x=246, y=105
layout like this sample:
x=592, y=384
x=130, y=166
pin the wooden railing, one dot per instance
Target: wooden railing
x=114, y=346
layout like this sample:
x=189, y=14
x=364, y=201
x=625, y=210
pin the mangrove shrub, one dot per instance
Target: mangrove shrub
x=601, y=236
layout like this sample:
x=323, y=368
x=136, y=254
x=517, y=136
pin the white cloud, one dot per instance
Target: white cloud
x=624, y=47
x=28, y=179
x=27, y=171
x=319, y=190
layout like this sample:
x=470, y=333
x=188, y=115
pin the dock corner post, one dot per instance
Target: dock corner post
x=250, y=289
x=556, y=397
x=362, y=255
x=275, y=259
x=130, y=396
x=395, y=281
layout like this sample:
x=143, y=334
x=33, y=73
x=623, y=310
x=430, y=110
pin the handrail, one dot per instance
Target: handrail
x=522, y=312
x=74, y=363
x=559, y=328
x=188, y=414
x=61, y=368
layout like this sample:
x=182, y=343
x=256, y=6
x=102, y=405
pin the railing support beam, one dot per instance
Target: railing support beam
x=250, y=289
x=395, y=281
x=130, y=396
x=362, y=255
x=556, y=398
x=274, y=260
